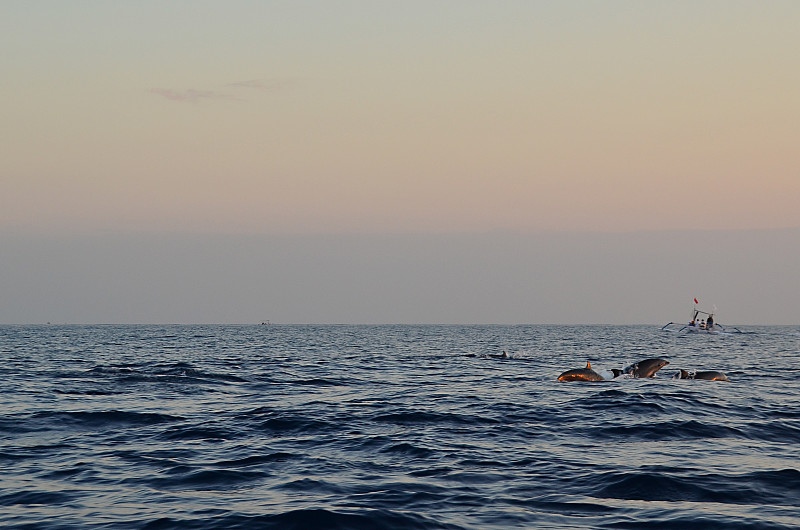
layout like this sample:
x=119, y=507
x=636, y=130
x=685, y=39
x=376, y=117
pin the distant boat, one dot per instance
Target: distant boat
x=700, y=322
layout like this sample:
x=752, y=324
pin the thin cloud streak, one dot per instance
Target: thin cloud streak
x=191, y=95
x=260, y=84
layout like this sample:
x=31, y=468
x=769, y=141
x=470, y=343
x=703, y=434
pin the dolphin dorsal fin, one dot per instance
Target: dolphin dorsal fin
x=589, y=366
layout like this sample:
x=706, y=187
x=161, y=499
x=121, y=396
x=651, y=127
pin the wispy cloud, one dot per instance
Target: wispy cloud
x=191, y=95
x=261, y=84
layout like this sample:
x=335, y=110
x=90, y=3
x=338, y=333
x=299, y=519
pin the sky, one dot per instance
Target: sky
x=481, y=126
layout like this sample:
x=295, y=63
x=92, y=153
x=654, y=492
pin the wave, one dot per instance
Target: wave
x=295, y=424
x=255, y=460
x=663, y=430
x=189, y=432
x=302, y=519
x=421, y=417
x=174, y=372
x=92, y=420
x=318, y=381
x=694, y=485
x=775, y=431
x=408, y=450
x=36, y=497
x=204, y=479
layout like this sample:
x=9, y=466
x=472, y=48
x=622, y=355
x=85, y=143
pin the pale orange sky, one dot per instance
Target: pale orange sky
x=318, y=117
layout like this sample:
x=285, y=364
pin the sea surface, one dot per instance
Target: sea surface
x=370, y=427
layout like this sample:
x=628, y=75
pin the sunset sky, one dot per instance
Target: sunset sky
x=354, y=116
x=371, y=117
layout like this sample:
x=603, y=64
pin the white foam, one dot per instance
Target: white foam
x=607, y=374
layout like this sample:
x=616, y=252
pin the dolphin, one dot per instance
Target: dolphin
x=709, y=375
x=646, y=368
x=581, y=374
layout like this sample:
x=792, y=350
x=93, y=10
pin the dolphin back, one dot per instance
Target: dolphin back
x=708, y=375
x=711, y=375
x=580, y=374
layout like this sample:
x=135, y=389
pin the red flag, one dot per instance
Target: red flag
x=695, y=301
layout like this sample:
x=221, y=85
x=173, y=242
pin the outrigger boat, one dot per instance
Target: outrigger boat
x=706, y=324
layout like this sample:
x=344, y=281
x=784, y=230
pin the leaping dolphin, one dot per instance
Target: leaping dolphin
x=581, y=374
x=646, y=368
x=710, y=375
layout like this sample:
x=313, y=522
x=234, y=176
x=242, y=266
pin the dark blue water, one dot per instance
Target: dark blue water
x=394, y=427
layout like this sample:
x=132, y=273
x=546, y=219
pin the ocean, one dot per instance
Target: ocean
x=395, y=426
